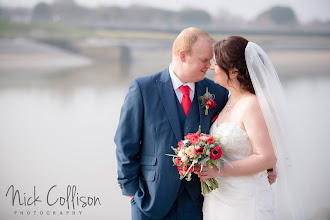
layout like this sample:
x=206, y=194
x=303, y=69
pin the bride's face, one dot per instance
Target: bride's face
x=220, y=76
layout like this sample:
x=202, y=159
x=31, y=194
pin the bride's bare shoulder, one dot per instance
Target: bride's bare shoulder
x=251, y=104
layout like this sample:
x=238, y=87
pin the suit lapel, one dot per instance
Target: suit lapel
x=204, y=119
x=168, y=97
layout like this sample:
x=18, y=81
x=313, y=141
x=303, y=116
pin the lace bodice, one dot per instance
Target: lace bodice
x=235, y=142
x=250, y=194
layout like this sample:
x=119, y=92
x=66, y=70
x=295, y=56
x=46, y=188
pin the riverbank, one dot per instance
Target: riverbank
x=120, y=58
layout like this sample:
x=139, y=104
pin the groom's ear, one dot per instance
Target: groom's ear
x=182, y=56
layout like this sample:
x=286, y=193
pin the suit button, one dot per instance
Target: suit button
x=187, y=128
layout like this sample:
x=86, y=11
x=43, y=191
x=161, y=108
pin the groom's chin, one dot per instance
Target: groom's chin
x=202, y=77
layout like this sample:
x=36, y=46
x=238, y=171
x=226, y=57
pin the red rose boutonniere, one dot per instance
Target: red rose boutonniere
x=207, y=101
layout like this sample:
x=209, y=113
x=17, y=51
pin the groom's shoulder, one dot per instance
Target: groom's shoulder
x=213, y=86
x=147, y=80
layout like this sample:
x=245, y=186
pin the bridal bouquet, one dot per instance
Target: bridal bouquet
x=198, y=149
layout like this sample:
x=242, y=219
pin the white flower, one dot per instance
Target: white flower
x=181, y=152
x=184, y=158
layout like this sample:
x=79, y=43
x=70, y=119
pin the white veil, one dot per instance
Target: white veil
x=272, y=101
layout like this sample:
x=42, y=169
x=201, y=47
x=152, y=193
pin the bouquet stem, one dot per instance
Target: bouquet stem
x=209, y=185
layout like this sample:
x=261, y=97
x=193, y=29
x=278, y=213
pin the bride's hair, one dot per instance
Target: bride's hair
x=230, y=53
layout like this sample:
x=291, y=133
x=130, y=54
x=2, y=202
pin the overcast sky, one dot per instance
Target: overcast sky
x=306, y=10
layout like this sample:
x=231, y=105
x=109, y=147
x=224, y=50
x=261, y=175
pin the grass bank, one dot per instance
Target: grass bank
x=52, y=30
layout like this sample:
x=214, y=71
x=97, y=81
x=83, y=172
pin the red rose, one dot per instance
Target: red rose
x=210, y=104
x=207, y=99
x=216, y=153
x=200, y=150
x=180, y=144
x=210, y=140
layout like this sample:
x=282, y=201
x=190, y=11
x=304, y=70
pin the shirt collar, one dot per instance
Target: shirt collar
x=177, y=82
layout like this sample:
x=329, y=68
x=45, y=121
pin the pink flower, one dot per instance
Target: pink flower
x=190, y=151
x=193, y=138
x=180, y=171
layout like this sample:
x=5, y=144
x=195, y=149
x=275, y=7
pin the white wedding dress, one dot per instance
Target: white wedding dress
x=238, y=197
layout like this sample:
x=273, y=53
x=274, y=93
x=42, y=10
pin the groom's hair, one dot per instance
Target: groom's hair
x=187, y=38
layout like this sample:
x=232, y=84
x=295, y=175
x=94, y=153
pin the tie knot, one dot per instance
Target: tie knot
x=185, y=90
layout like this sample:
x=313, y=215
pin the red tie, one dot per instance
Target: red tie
x=186, y=102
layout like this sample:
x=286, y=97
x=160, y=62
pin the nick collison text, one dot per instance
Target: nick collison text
x=71, y=198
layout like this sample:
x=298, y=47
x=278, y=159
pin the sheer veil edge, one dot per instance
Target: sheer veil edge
x=272, y=101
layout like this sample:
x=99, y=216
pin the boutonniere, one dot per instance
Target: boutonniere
x=207, y=101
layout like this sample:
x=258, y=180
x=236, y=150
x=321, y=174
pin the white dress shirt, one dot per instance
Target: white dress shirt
x=177, y=83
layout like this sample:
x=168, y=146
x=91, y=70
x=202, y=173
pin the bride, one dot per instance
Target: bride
x=250, y=132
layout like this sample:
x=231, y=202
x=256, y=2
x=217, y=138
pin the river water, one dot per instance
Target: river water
x=57, y=135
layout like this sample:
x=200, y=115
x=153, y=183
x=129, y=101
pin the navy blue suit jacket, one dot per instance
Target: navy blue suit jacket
x=148, y=127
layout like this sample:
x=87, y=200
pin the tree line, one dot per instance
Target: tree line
x=137, y=16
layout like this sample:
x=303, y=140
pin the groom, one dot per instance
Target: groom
x=159, y=110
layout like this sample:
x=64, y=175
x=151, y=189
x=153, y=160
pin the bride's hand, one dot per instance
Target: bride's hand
x=207, y=172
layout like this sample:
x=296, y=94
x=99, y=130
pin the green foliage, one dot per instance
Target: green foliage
x=209, y=185
x=9, y=29
x=47, y=30
x=212, y=163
